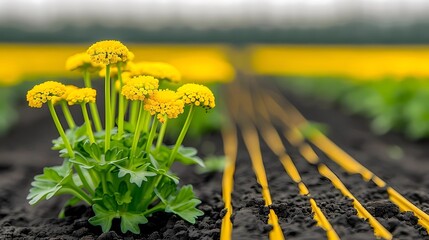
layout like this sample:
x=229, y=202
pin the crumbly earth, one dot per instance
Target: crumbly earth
x=26, y=149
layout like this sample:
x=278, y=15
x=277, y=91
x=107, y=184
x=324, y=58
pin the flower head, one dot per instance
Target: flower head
x=138, y=88
x=198, y=95
x=126, y=66
x=160, y=70
x=69, y=89
x=108, y=52
x=44, y=92
x=164, y=103
x=81, y=61
x=81, y=95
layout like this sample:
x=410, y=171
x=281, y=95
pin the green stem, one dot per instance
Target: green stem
x=147, y=197
x=77, y=192
x=94, y=177
x=161, y=134
x=67, y=115
x=87, y=78
x=83, y=179
x=137, y=134
x=103, y=182
x=108, y=113
x=146, y=121
x=88, y=123
x=181, y=136
x=134, y=110
x=92, y=106
x=60, y=129
x=151, y=135
x=121, y=114
x=158, y=207
x=113, y=101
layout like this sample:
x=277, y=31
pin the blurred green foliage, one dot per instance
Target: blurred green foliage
x=393, y=105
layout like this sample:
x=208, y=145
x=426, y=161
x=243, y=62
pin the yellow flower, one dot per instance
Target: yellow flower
x=108, y=52
x=198, y=95
x=81, y=61
x=114, y=70
x=164, y=103
x=138, y=88
x=44, y=92
x=81, y=95
x=160, y=70
x=69, y=89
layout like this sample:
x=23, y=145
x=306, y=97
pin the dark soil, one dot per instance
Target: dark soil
x=26, y=150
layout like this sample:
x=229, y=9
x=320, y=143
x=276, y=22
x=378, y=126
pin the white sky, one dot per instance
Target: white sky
x=208, y=13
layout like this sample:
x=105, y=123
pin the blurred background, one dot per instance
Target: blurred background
x=357, y=47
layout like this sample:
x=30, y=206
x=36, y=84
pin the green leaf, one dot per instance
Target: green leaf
x=182, y=203
x=123, y=196
x=213, y=164
x=103, y=217
x=188, y=156
x=130, y=222
x=74, y=136
x=50, y=182
x=169, y=188
x=85, y=162
x=137, y=175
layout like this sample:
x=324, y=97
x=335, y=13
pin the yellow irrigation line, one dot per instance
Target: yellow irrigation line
x=336, y=154
x=251, y=140
x=274, y=142
x=272, y=138
x=343, y=159
x=379, y=230
x=230, y=148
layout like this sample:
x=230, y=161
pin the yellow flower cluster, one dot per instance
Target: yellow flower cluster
x=108, y=52
x=138, y=88
x=44, y=92
x=159, y=70
x=81, y=95
x=114, y=68
x=81, y=61
x=164, y=103
x=198, y=95
x=69, y=89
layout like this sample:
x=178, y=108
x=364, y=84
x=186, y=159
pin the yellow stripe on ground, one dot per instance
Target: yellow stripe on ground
x=323, y=221
x=251, y=141
x=339, y=156
x=344, y=160
x=405, y=205
x=274, y=142
x=290, y=168
x=230, y=148
x=379, y=230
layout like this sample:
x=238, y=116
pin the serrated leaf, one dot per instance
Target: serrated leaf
x=123, y=196
x=163, y=172
x=169, y=188
x=85, y=162
x=183, y=203
x=103, y=217
x=188, y=156
x=50, y=182
x=130, y=222
x=138, y=175
x=73, y=135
